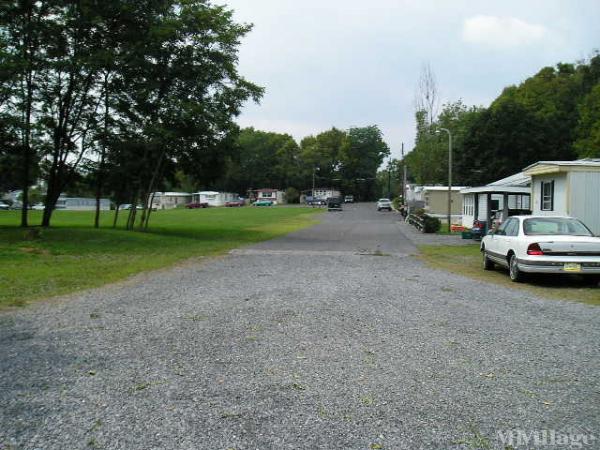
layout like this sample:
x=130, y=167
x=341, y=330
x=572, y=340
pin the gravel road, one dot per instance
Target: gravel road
x=334, y=337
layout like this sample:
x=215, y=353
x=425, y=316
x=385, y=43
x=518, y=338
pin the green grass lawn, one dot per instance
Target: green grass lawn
x=466, y=260
x=72, y=255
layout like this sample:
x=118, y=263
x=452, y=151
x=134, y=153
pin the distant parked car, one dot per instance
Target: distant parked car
x=315, y=201
x=334, y=204
x=384, y=203
x=263, y=203
x=38, y=207
x=128, y=206
x=349, y=199
x=196, y=205
x=542, y=244
x=4, y=206
x=235, y=203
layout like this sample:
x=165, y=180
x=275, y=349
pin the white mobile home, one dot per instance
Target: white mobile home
x=508, y=196
x=214, y=198
x=567, y=188
x=170, y=200
x=267, y=194
x=81, y=203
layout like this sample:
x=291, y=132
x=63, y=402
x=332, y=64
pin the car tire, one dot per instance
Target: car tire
x=513, y=270
x=488, y=264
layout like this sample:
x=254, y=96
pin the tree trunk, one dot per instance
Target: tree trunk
x=28, y=56
x=150, y=189
x=149, y=212
x=116, y=216
x=100, y=174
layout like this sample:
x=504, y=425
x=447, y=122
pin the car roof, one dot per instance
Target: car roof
x=541, y=217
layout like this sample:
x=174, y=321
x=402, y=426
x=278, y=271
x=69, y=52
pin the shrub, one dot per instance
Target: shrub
x=431, y=224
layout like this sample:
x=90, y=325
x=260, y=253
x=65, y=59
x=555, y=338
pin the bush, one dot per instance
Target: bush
x=431, y=224
x=397, y=202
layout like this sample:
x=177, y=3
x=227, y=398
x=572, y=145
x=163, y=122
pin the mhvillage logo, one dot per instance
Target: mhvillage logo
x=572, y=438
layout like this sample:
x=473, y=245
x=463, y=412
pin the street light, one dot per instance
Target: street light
x=449, y=174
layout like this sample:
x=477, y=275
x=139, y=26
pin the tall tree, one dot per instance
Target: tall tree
x=360, y=157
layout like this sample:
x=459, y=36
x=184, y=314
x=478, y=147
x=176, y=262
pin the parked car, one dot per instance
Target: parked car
x=542, y=244
x=128, y=206
x=315, y=201
x=334, y=204
x=196, y=205
x=349, y=199
x=235, y=203
x=38, y=207
x=384, y=203
x=263, y=203
x=4, y=206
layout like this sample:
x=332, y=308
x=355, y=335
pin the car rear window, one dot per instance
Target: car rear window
x=555, y=226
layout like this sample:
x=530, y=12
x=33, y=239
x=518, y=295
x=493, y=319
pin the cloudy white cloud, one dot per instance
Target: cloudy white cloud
x=502, y=32
x=354, y=63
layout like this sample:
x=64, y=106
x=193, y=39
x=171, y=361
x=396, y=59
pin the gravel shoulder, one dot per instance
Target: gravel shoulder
x=333, y=337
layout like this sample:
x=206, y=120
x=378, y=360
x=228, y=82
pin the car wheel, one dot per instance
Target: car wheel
x=513, y=269
x=488, y=264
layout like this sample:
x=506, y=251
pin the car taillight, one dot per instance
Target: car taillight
x=534, y=250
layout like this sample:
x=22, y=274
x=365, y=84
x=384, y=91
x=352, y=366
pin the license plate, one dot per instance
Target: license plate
x=572, y=267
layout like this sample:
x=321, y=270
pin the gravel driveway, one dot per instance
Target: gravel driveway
x=334, y=337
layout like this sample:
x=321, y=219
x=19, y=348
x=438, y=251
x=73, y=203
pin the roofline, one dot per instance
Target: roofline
x=497, y=190
x=550, y=167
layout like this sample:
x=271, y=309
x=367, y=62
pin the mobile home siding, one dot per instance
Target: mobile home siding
x=560, y=207
x=583, y=198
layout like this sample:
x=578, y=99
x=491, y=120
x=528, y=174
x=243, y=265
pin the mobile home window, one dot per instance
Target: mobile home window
x=547, y=195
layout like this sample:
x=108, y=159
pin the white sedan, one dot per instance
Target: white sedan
x=384, y=203
x=542, y=244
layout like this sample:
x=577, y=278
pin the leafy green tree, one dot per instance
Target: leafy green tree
x=587, y=144
x=321, y=154
x=360, y=157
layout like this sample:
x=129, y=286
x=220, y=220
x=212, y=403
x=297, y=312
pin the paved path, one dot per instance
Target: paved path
x=331, y=338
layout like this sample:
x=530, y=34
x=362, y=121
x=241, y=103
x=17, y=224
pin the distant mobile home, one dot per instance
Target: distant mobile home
x=81, y=203
x=170, y=200
x=267, y=194
x=435, y=200
x=214, y=198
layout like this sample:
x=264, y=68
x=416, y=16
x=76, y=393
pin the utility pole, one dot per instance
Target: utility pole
x=403, y=178
x=449, y=175
x=312, y=194
x=390, y=178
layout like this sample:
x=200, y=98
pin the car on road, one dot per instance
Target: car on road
x=542, y=244
x=235, y=203
x=196, y=205
x=384, y=204
x=349, y=199
x=334, y=204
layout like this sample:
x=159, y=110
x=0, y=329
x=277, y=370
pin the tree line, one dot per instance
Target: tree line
x=124, y=93
x=346, y=160
x=553, y=115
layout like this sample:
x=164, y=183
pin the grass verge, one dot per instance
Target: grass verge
x=72, y=256
x=466, y=260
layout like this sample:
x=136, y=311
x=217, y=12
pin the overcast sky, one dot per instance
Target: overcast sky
x=351, y=63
